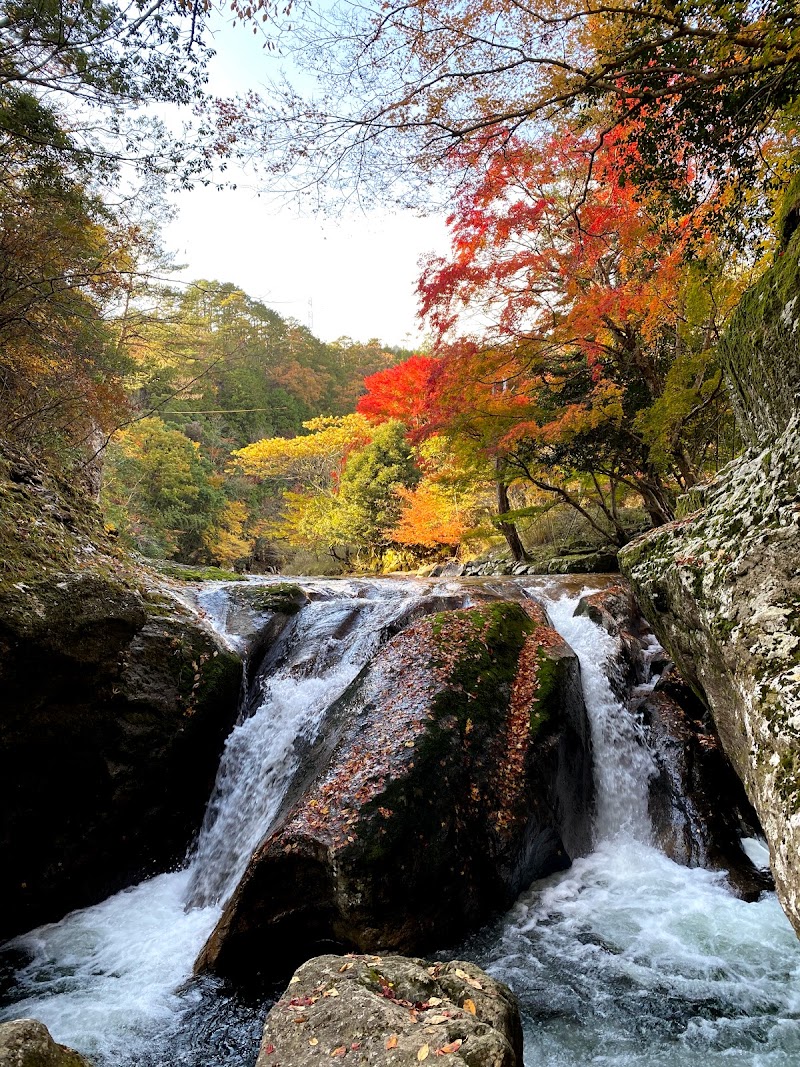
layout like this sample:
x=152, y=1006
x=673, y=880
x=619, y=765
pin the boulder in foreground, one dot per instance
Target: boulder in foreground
x=27, y=1043
x=391, y=1011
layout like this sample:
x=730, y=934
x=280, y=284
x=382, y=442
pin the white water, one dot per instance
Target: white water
x=325, y=647
x=625, y=960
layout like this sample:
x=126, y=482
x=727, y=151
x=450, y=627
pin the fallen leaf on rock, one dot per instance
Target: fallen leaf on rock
x=346, y=967
x=436, y=1019
x=301, y=1019
x=445, y=1050
x=355, y=1045
x=269, y=1049
x=434, y=1000
x=391, y=1042
x=294, y=981
x=423, y=1052
x=340, y=1051
x=332, y=992
x=469, y=1005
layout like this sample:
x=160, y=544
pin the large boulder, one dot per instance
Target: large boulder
x=27, y=1043
x=457, y=769
x=392, y=1012
x=116, y=702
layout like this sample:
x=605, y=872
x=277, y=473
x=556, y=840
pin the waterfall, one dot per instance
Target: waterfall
x=623, y=765
x=320, y=653
x=626, y=959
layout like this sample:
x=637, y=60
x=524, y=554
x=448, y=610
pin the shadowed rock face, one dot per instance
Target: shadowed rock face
x=456, y=770
x=392, y=1012
x=115, y=707
x=27, y=1043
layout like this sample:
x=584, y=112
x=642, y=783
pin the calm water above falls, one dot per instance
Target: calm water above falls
x=626, y=959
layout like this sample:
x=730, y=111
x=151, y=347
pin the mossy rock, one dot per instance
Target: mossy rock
x=456, y=768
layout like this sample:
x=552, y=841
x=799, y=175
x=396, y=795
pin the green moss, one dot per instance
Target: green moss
x=479, y=649
x=787, y=778
x=759, y=348
x=195, y=574
x=284, y=598
x=550, y=681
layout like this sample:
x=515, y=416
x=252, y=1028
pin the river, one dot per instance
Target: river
x=626, y=959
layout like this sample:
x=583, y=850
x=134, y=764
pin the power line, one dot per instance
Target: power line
x=214, y=411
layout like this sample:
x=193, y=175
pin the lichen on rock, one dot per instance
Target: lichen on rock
x=391, y=1011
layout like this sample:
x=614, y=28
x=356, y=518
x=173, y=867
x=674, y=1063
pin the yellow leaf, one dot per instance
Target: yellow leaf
x=313, y=1041
x=391, y=1042
x=469, y=1005
x=332, y=992
x=433, y=1001
x=423, y=1052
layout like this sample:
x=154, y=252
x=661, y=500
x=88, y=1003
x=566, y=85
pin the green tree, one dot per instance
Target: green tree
x=161, y=493
x=370, y=484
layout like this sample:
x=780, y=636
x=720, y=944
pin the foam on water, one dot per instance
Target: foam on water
x=630, y=960
x=105, y=979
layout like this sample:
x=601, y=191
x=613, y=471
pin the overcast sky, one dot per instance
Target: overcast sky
x=354, y=276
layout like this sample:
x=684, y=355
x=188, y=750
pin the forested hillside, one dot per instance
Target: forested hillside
x=571, y=390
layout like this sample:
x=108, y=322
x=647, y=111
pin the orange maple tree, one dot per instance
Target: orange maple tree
x=563, y=327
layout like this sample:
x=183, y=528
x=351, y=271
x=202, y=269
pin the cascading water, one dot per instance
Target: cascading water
x=626, y=959
x=108, y=979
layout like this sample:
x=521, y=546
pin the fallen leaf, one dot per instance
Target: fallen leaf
x=469, y=1005
x=332, y=992
x=346, y=967
x=269, y=1049
x=454, y=1046
x=301, y=1019
x=436, y=1019
x=294, y=981
x=355, y=1045
x=340, y=1051
x=313, y=1041
x=391, y=1042
x=434, y=1001
x=423, y=1053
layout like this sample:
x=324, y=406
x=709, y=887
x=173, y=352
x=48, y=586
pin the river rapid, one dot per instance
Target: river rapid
x=626, y=959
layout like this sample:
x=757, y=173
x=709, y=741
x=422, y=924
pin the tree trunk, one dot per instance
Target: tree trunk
x=508, y=529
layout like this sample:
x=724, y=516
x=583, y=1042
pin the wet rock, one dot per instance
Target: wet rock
x=584, y=563
x=698, y=806
x=614, y=608
x=392, y=1012
x=27, y=1043
x=457, y=769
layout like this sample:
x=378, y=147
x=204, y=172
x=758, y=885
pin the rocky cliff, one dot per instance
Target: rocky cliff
x=721, y=586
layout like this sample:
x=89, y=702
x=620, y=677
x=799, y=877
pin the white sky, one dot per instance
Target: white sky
x=354, y=276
